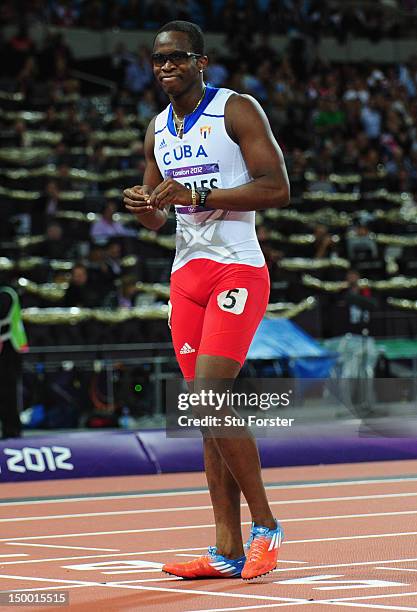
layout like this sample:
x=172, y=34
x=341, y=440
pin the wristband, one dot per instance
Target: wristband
x=193, y=197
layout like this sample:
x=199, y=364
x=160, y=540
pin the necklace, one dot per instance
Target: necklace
x=179, y=123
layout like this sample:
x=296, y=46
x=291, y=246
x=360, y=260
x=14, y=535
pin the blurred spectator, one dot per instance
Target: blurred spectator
x=8, y=12
x=60, y=155
x=119, y=60
x=321, y=183
x=94, y=119
x=278, y=113
x=93, y=15
x=119, y=121
x=71, y=126
x=350, y=156
x=361, y=244
x=47, y=208
x=113, y=257
x=97, y=160
x=272, y=255
x=104, y=268
x=369, y=163
x=131, y=15
x=55, y=57
x=395, y=164
x=357, y=90
x=323, y=242
x=51, y=123
x=297, y=164
x=56, y=246
x=23, y=138
x=371, y=119
x=263, y=50
x=328, y=117
x=358, y=301
x=27, y=77
x=20, y=47
x=124, y=98
x=147, y=106
x=63, y=178
x=107, y=227
x=64, y=13
x=125, y=293
x=216, y=72
x=139, y=72
x=81, y=292
x=353, y=124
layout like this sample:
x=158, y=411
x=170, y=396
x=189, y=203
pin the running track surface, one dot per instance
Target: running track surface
x=351, y=541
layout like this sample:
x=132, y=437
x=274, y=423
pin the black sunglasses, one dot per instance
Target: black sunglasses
x=177, y=57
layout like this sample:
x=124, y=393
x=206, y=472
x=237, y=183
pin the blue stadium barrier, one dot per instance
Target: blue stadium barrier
x=115, y=453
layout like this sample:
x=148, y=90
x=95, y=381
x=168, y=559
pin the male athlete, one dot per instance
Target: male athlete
x=212, y=155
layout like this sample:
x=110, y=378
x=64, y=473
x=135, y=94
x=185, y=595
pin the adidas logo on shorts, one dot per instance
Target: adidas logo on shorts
x=186, y=349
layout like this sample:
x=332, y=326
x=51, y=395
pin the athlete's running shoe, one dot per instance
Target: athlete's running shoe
x=210, y=565
x=262, y=550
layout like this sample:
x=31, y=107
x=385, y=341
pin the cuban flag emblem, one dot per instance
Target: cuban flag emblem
x=205, y=131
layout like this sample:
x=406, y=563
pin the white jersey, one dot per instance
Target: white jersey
x=206, y=156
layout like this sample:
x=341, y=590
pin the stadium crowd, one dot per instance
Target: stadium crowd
x=348, y=133
x=236, y=17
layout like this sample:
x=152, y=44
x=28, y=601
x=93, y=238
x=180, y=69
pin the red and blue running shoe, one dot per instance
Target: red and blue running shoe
x=210, y=565
x=262, y=551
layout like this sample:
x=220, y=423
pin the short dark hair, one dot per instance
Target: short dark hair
x=193, y=31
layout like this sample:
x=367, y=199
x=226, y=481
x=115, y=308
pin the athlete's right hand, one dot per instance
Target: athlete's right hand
x=137, y=199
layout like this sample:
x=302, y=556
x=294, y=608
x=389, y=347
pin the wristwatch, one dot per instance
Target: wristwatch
x=203, y=192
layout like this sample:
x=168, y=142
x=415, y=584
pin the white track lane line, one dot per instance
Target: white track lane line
x=336, y=565
x=174, y=550
x=138, y=570
x=309, y=485
x=129, y=585
x=129, y=554
x=166, y=579
x=358, y=537
x=62, y=581
x=15, y=555
x=62, y=546
x=364, y=606
x=288, y=600
x=384, y=596
x=45, y=588
x=397, y=569
x=282, y=520
x=246, y=607
x=183, y=527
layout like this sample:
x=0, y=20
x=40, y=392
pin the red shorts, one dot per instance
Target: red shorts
x=216, y=310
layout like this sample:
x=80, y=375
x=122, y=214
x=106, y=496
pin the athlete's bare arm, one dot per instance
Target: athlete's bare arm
x=136, y=199
x=248, y=126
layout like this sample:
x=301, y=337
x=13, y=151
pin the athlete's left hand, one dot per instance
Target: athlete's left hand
x=170, y=192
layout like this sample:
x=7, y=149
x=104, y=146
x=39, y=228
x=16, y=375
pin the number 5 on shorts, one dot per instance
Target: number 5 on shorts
x=233, y=300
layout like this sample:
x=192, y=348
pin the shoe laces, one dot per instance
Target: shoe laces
x=257, y=548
